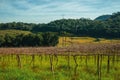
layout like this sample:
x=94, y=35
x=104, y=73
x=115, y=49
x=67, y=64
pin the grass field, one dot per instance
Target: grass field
x=52, y=67
x=13, y=32
x=78, y=40
x=40, y=68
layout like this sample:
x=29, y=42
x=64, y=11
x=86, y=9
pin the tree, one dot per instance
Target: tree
x=50, y=39
x=9, y=40
x=38, y=39
x=18, y=41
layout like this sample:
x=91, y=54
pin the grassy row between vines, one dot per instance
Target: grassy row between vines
x=63, y=67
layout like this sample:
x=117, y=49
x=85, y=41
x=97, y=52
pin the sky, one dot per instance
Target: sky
x=45, y=11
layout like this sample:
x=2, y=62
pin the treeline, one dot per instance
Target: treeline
x=25, y=40
x=109, y=27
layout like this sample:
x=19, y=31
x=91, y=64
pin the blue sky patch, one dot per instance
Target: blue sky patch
x=44, y=11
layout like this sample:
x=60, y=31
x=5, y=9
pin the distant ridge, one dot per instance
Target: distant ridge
x=103, y=17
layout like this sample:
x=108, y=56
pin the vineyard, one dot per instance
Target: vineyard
x=86, y=61
x=59, y=39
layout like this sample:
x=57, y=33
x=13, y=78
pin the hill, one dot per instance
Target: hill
x=13, y=32
x=103, y=17
x=107, y=26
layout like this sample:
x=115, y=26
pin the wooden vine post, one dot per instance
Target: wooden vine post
x=51, y=62
x=18, y=61
x=99, y=62
x=86, y=61
x=33, y=60
x=75, y=59
x=108, y=64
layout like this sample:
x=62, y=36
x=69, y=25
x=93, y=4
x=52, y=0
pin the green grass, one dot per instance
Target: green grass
x=78, y=40
x=41, y=69
x=13, y=32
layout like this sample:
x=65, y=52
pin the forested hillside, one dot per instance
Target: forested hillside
x=108, y=27
x=103, y=17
